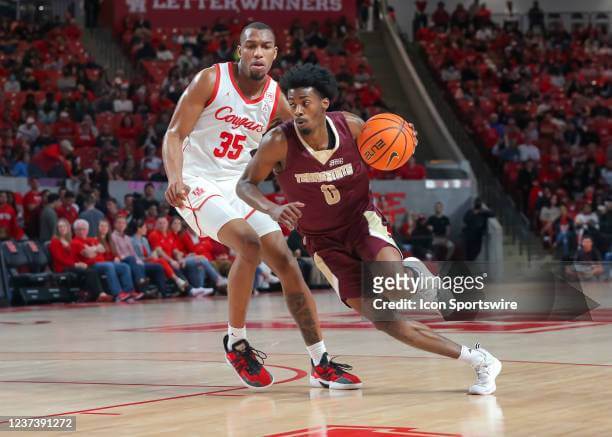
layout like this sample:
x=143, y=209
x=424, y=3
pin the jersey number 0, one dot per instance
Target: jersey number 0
x=231, y=146
x=331, y=194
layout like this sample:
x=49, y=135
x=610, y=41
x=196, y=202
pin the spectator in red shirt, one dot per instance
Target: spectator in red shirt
x=72, y=30
x=490, y=135
x=192, y=244
x=460, y=17
x=68, y=209
x=89, y=251
x=220, y=251
x=482, y=17
x=65, y=128
x=32, y=202
x=370, y=95
x=151, y=218
x=127, y=131
x=196, y=252
x=8, y=220
x=63, y=260
x=86, y=135
x=352, y=45
x=440, y=17
x=411, y=170
x=52, y=161
x=104, y=239
x=167, y=245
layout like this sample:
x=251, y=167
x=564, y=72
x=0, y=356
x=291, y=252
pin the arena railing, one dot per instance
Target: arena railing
x=570, y=20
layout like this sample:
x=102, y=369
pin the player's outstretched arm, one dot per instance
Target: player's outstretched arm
x=186, y=114
x=271, y=152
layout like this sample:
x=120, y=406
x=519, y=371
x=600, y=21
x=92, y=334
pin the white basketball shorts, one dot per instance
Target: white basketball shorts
x=211, y=204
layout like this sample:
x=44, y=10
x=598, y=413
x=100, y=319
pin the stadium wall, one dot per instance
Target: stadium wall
x=197, y=13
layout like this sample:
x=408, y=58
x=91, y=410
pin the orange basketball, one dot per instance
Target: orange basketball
x=386, y=142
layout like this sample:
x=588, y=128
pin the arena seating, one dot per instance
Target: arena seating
x=544, y=98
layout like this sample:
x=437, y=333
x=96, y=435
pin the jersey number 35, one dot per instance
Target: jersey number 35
x=231, y=146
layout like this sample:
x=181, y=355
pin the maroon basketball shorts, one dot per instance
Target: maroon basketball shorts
x=339, y=254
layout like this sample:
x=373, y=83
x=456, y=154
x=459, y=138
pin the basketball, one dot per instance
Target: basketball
x=386, y=142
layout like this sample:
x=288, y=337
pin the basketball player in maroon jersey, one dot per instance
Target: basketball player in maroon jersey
x=218, y=120
x=321, y=172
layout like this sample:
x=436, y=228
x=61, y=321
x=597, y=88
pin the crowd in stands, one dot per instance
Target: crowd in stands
x=432, y=237
x=169, y=58
x=63, y=115
x=538, y=103
x=121, y=251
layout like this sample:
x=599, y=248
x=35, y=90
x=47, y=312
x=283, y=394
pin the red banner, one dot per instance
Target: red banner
x=196, y=13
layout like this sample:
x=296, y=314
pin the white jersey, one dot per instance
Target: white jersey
x=230, y=127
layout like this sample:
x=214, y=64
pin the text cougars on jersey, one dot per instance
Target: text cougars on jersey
x=325, y=176
x=242, y=5
x=226, y=114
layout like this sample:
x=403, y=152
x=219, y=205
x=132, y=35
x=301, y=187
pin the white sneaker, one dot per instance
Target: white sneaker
x=208, y=291
x=221, y=281
x=200, y=291
x=181, y=283
x=486, y=372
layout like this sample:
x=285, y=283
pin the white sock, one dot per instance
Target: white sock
x=316, y=352
x=235, y=335
x=470, y=356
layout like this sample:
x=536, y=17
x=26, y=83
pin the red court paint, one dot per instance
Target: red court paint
x=361, y=431
x=298, y=375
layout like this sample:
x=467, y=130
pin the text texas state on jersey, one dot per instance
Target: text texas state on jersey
x=229, y=128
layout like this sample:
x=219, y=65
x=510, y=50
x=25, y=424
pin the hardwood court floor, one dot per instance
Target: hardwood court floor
x=154, y=368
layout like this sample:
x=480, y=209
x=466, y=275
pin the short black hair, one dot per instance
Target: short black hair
x=256, y=25
x=53, y=197
x=311, y=75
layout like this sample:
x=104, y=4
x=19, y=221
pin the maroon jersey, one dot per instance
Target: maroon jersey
x=333, y=184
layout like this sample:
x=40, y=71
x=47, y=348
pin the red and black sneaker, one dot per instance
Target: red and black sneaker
x=137, y=295
x=248, y=364
x=329, y=374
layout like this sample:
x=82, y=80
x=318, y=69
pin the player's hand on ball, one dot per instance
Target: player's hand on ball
x=176, y=193
x=288, y=214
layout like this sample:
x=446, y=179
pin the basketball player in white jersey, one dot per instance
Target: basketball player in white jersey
x=220, y=118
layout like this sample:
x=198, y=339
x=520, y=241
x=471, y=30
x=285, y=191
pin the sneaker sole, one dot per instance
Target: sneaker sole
x=496, y=371
x=253, y=387
x=320, y=383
